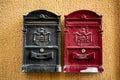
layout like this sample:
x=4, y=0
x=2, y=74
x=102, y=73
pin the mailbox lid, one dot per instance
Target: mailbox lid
x=46, y=56
x=78, y=57
x=83, y=32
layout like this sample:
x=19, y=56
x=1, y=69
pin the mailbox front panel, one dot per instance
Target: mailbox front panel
x=83, y=42
x=41, y=42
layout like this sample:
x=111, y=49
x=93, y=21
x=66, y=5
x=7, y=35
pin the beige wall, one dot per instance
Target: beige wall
x=11, y=21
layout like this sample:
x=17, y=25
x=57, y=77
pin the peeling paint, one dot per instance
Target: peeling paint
x=90, y=69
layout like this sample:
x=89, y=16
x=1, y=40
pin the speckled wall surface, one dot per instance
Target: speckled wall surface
x=11, y=21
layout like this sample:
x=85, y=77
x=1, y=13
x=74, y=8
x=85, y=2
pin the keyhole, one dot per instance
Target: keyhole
x=83, y=50
x=41, y=50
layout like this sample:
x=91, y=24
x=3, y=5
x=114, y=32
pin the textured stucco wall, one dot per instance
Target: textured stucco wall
x=11, y=18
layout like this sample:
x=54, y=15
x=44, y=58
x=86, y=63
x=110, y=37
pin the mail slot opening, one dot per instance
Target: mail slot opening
x=85, y=22
x=42, y=22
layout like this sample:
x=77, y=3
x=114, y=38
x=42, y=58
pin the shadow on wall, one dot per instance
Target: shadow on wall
x=117, y=38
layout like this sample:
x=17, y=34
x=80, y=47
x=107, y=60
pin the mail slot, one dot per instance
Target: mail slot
x=41, y=44
x=83, y=42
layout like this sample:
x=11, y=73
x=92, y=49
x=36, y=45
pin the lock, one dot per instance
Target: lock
x=83, y=50
x=41, y=50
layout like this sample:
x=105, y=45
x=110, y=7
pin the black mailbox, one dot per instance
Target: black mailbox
x=41, y=42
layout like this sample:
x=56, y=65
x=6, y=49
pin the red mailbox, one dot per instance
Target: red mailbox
x=83, y=42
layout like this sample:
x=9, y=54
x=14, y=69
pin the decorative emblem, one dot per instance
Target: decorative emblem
x=85, y=56
x=42, y=16
x=83, y=36
x=41, y=37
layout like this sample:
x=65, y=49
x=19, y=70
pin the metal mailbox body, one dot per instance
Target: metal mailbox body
x=83, y=42
x=41, y=42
